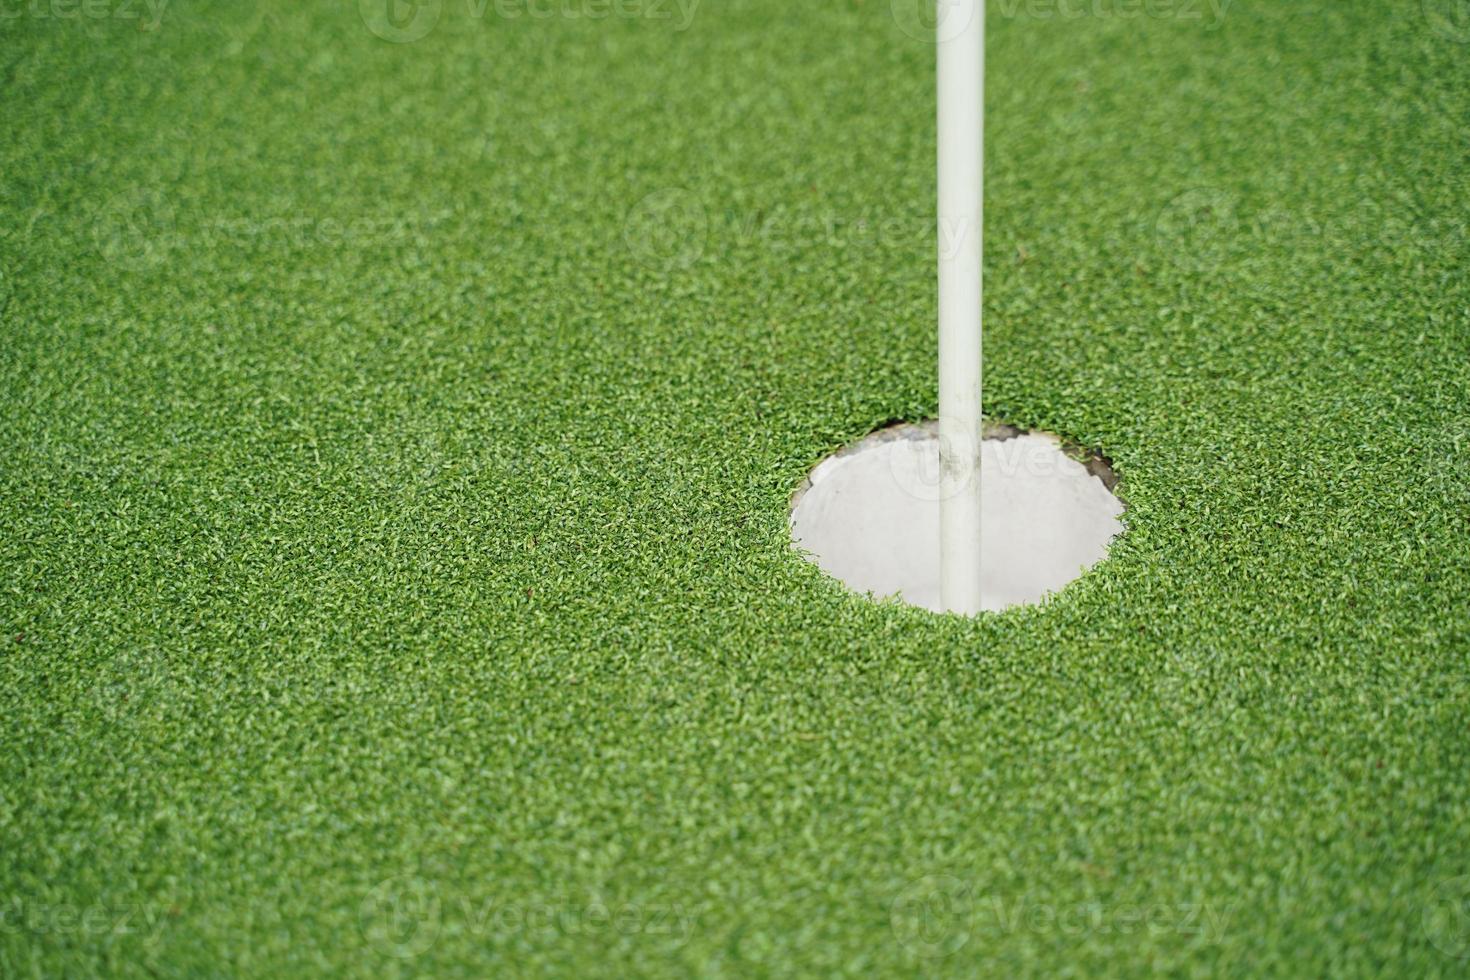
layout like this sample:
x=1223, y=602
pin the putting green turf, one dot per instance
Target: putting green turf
x=398, y=439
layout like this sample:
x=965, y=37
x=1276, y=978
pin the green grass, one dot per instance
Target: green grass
x=393, y=500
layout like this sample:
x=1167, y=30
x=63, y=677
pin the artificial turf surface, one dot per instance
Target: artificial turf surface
x=397, y=440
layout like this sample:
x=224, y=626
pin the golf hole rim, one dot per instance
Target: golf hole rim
x=1097, y=465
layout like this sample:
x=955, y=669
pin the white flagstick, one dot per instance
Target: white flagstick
x=961, y=37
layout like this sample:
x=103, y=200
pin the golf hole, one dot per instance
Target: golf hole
x=869, y=515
